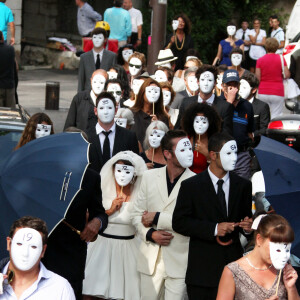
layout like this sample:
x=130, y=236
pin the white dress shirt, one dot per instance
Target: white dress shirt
x=96, y=53
x=48, y=286
x=111, y=137
x=136, y=18
x=209, y=101
x=239, y=35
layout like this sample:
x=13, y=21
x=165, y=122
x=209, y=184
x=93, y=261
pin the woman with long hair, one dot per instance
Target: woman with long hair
x=118, y=72
x=124, y=54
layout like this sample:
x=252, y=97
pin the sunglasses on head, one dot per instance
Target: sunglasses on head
x=137, y=66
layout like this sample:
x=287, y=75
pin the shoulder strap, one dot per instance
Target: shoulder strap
x=282, y=66
x=277, y=32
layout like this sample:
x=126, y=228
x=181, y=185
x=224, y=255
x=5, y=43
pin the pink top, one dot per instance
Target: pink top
x=270, y=75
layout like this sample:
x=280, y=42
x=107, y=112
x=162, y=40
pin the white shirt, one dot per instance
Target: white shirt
x=111, y=137
x=48, y=286
x=96, y=53
x=209, y=101
x=187, y=91
x=239, y=35
x=136, y=18
x=93, y=96
x=278, y=34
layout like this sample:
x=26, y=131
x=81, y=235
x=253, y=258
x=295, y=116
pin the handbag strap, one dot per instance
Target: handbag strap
x=282, y=66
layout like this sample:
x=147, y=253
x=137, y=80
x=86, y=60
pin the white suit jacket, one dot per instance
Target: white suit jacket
x=153, y=197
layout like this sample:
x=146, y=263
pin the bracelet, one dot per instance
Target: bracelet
x=139, y=39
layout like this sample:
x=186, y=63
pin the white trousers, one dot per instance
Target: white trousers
x=276, y=104
x=160, y=286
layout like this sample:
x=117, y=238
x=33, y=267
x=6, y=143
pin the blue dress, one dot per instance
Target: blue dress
x=226, y=49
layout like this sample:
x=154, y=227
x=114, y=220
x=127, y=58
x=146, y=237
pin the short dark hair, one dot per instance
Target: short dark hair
x=106, y=95
x=117, y=81
x=236, y=50
x=30, y=222
x=122, y=75
x=251, y=79
x=231, y=23
x=169, y=71
x=99, y=30
x=208, y=68
x=216, y=141
x=118, y=3
x=222, y=68
x=167, y=140
x=275, y=17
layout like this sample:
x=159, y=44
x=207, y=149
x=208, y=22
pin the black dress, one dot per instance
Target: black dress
x=147, y=160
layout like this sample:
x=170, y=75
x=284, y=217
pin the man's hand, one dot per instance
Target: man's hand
x=225, y=227
x=246, y=224
x=230, y=93
x=90, y=230
x=162, y=238
x=147, y=218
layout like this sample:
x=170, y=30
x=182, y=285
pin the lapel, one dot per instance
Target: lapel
x=161, y=180
x=233, y=189
x=118, y=140
x=96, y=142
x=91, y=61
x=104, y=60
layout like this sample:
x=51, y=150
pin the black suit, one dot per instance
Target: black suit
x=66, y=252
x=224, y=109
x=124, y=140
x=261, y=116
x=196, y=214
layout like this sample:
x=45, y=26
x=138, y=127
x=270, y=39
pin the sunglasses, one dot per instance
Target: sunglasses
x=119, y=93
x=137, y=66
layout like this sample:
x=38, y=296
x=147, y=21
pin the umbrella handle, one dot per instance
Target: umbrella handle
x=72, y=228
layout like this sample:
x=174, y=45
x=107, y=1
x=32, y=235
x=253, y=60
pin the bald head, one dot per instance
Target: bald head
x=100, y=72
x=98, y=80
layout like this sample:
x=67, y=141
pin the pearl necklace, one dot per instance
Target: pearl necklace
x=250, y=264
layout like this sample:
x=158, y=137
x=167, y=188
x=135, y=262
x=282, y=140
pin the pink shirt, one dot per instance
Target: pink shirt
x=271, y=81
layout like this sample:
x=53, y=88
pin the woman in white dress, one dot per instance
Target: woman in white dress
x=111, y=271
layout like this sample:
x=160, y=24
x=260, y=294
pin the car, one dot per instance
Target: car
x=12, y=124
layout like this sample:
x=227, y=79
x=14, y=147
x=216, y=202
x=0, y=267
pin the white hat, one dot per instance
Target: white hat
x=165, y=56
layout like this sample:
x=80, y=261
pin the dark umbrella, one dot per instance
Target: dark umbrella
x=41, y=179
x=281, y=169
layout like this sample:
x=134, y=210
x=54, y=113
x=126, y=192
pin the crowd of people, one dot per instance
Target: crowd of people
x=167, y=195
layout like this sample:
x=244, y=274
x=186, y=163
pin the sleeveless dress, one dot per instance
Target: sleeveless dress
x=111, y=267
x=226, y=49
x=247, y=289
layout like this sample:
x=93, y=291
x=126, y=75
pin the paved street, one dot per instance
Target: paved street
x=32, y=91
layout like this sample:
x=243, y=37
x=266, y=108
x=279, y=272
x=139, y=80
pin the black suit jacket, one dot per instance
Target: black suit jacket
x=261, y=116
x=196, y=214
x=66, y=252
x=124, y=140
x=224, y=109
x=179, y=98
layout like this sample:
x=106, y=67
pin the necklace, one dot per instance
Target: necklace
x=179, y=48
x=250, y=264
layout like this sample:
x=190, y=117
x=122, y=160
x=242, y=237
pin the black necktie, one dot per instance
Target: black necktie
x=98, y=62
x=243, y=36
x=221, y=196
x=106, y=147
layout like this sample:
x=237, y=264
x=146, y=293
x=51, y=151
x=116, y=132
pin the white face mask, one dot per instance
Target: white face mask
x=135, y=66
x=189, y=57
x=228, y=155
x=98, y=83
x=26, y=248
x=126, y=53
x=219, y=81
x=160, y=76
x=245, y=89
x=193, y=83
x=166, y=97
x=156, y=137
x=167, y=65
x=280, y=254
x=123, y=174
x=207, y=82
x=112, y=75
x=42, y=130
x=184, y=153
x=175, y=24
x=116, y=90
x=121, y=122
x=98, y=40
x=236, y=59
x=152, y=93
x=231, y=30
x=201, y=124
x=136, y=85
x=105, y=110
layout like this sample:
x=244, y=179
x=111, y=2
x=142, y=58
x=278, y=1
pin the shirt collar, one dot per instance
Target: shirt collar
x=215, y=179
x=251, y=100
x=95, y=53
x=209, y=101
x=189, y=94
x=99, y=129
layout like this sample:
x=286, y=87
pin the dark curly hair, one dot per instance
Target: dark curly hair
x=187, y=122
x=120, y=59
x=187, y=21
x=122, y=76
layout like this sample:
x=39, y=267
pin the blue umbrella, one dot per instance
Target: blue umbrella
x=41, y=179
x=281, y=169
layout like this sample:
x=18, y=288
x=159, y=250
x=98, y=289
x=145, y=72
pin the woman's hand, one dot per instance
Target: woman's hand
x=201, y=147
x=172, y=40
x=154, y=118
x=116, y=205
x=150, y=165
x=290, y=276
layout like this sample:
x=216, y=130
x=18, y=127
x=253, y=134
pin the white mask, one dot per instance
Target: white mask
x=175, y=24
x=126, y=53
x=193, y=83
x=98, y=83
x=167, y=65
x=116, y=90
x=105, y=110
x=135, y=66
x=156, y=137
x=236, y=59
x=121, y=122
x=189, y=57
x=136, y=85
x=26, y=248
x=245, y=89
x=228, y=155
x=98, y=40
x=123, y=174
x=166, y=97
x=219, y=81
x=207, y=82
x=152, y=93
x=231, y=30
x=160, y=76
x=184, y=153
x=112, y=75
x=280, y=254
x=42, y=130
x=201, y=124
